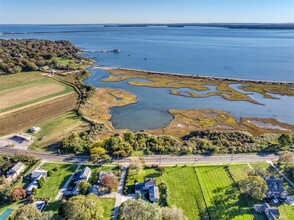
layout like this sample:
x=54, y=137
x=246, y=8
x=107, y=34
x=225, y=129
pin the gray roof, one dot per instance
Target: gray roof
x=150, y=182
x=154, y=193
x=17, y=167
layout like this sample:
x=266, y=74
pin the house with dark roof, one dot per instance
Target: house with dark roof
x=271, y=213
x=276, y=189
x=148, y=186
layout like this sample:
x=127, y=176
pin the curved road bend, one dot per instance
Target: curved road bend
x=163, y=160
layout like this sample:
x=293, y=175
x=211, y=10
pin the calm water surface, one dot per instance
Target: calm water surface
x=248, y=54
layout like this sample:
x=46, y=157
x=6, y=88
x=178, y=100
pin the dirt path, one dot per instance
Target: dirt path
x=37, y=103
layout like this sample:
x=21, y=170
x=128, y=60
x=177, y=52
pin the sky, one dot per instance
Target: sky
x=145, y=11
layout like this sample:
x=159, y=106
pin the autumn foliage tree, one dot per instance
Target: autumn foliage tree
x=18, y=193
x=110, y=182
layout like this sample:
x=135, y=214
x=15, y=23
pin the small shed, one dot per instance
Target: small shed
x=35, y=129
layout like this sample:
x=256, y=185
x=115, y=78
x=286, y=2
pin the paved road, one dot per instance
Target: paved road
x=162, y=160
x=47, y=156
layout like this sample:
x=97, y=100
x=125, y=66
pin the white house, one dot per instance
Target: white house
x=14, y=172
x=37, y=174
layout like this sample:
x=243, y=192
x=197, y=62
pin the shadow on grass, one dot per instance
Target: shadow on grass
x=54, y=206
x=228, y=203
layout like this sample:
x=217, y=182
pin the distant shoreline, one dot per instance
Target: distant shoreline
x=260, y=26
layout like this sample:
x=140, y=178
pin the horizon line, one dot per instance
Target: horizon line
x=186, y=23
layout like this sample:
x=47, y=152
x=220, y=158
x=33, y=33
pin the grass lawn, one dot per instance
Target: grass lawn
x=55, y=182
x=223, y=198
x=54, y=130
x=287, y=212
x=72, y=63
x=108, y=205
x=184, y=191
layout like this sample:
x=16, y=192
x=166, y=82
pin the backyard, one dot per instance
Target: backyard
x=206, y=191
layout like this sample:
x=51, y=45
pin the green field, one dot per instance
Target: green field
x=72, y=63
x=10, y=80
x=108, y=205
x=56, y=129
x=37, y=83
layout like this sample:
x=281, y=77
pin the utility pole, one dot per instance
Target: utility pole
x=159, y=158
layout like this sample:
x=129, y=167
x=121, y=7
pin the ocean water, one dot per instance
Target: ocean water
x=247, y=54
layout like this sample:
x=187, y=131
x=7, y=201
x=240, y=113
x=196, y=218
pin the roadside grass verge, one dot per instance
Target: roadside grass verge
x=54, y=130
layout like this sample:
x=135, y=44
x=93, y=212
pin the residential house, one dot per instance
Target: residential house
x=83, y=175
x=14, y=172
x=271, y=213
x=276, y=189
x=37, y=174
x=148, y=186
x=33, y=185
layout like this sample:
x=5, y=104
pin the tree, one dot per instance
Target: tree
x=254, y=186
x=110, y=182
x=5, y=191
x=84, y=187
x=82, y=208
x=27, y=212
x=287, y=158
x=18, y=193
x=173, y=214
x=285, y=140
x=98, y=150
x=139, y=209
x=42, y=182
